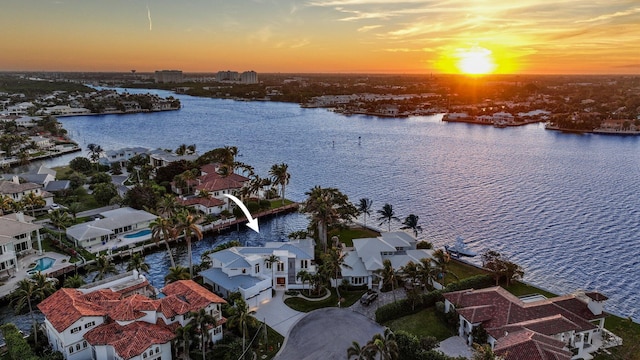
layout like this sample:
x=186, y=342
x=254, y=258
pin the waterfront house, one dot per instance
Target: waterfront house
x=123, y=155
x=247, y=269
x=216, y=186
x=159, y=158
x=16, y=190
x=563, y=327
x=367, y=255
x=111, y=229
x=106, y=322
x=16, y=235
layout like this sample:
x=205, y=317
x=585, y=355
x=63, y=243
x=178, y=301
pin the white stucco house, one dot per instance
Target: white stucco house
x=367, y=255
x=16, y=235
x=103, y=323
x=247, y=270
x=114, y=227
x=563, y=327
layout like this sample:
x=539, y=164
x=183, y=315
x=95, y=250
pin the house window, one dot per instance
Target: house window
x=144, y=355
x=269, y=265
x=76, y=329
x=157, y=349
x=304, y=264
x=70, y=349
x=280, y=267
x=89, y=324
x=84, y=344
x=78, y=346
x=257, y=268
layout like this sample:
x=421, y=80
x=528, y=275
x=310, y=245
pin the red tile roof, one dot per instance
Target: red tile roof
x=529, y=345
x=501, y=312
x=129, y=340
x=195, y=295
x=207, y=202
x=66, y=306
x=215, y=182
x=596, y=296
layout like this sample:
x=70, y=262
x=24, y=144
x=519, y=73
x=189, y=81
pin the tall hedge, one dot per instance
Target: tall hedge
x=402, y=307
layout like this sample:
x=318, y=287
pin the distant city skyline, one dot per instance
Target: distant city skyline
x=323, y=36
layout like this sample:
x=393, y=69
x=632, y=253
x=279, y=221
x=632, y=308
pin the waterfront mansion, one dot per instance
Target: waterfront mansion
x=530, y=328
x=254, y=271
x=112, y=229
x=113, y=319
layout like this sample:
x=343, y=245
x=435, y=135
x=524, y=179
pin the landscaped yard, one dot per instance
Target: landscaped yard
x=346, y=236
x=421, y=324
x=301, y=304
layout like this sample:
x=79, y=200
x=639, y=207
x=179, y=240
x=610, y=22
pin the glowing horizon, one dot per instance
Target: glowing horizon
x=322, y=36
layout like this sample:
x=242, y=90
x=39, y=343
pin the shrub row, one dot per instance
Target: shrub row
x=403, y=307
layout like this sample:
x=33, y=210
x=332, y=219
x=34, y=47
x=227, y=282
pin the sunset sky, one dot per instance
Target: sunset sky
x=337, y=36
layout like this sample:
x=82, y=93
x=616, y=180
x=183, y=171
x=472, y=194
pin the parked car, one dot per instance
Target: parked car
x=368, y=297
x=54, y=207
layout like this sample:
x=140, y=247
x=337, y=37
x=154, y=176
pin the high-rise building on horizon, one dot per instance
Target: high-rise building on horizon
x=169, y=76
x=247, y=77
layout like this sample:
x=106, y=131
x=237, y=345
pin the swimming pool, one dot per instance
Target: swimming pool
x=138, y=234
x=42, y=264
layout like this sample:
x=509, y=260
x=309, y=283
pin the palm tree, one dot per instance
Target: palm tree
x=442, y=259
x=177, y=273
x=103, y=266
x=326, y=207
x=202, y=320
x=411, y=272
x=61, y=220
x=6, y=204
x=411, y=222
x=389, y=276
x=385, y=345
x=187, y=224
x=162, y=228
x=167, y=206
x=241, y=319
x=272, y=259
x=32, y=201
x=280, y=176
x=94, y=153
x=360, y=352
x=386, y=215
x=73, y=209
x=137, y=263
x=305, y=276
x=184, y=334
x=364, y=207
x=73, y=282
x=332, y=263
x=426, y=272
x=255, y=184
x=29, y=292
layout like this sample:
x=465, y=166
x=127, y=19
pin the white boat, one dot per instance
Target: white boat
x=459, y=249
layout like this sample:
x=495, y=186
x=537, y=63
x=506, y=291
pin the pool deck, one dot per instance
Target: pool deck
x=7, y=286
x=121, y=242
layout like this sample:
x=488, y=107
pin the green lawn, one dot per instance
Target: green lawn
x=347, y=235
x=519, y=289
x=463, y=270
x=300, y=304
x=278, y=203
x=630, y=333
x=423, y=323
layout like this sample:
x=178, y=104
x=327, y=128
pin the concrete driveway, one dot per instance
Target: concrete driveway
x=278, y=315
x=327, y=334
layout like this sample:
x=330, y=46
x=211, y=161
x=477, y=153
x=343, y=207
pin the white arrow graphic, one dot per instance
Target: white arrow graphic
x=253, y=223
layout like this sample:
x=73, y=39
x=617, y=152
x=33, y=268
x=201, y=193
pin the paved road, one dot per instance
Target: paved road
x=327, y=334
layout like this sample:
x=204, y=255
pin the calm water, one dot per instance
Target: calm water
x=563, y=206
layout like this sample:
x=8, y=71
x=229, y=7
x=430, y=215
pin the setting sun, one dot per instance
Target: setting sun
x=475, y=61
